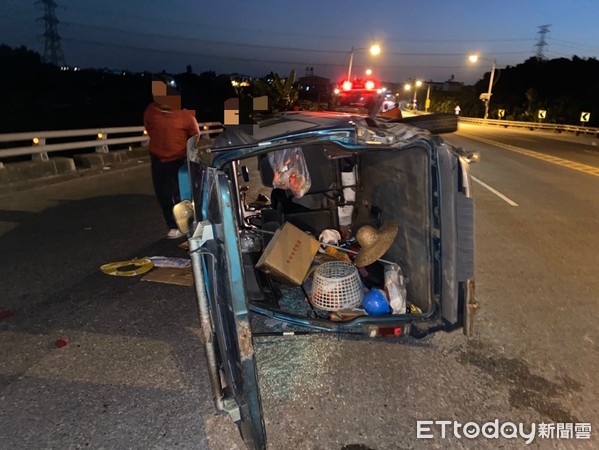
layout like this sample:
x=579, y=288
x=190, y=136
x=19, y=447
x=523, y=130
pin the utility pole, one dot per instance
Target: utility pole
x=489, y=93
x=542, y=42
x=53, y=50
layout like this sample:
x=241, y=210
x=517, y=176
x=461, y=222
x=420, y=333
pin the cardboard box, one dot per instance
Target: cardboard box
x=171, y=275
x=289, y=254
x=346, y=314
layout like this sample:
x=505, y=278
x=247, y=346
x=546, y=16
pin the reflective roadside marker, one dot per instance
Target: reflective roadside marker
x=501, y=113
x=542, y=114
x=585, y=116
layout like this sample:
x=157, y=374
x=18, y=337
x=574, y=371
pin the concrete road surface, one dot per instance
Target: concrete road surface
x=133, y=373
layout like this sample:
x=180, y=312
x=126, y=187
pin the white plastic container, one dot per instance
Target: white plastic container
x=336, y=286
x=395, y=288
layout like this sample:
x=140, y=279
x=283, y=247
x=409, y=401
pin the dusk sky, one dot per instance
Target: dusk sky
x=429, y=40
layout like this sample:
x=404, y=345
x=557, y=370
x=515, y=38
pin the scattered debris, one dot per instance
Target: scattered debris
x=169, y=261
x=127, y=268
x=6, y=313
x=61, y=342
x=289, y=263
x=171, y=275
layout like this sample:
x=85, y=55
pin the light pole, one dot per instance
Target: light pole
x=375, y=50
x=486, y=97
x=416, y=85
x=427, y=103
x=407, y=87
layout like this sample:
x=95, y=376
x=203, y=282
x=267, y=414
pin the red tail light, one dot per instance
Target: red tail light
x=386, y=332
x=347, y=85
x=369, y=84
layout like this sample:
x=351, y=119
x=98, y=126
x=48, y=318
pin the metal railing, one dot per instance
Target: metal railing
x=533, y=125
x=34, y=143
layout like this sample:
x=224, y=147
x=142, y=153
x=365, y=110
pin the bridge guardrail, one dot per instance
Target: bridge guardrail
x=532, y=125
x=18, y=174
x=137, y=135
x=99, y=140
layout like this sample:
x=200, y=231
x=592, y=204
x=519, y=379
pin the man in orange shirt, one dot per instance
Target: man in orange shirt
x=169, y=128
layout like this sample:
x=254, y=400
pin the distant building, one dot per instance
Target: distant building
x=239, y=80
x=314, y=88
x=447, y=86
x=440, y=86
x=391, y=87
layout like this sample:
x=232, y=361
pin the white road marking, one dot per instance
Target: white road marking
x=585, y=168
x=496, y=192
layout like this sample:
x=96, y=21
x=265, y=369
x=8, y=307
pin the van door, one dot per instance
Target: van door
x=217, y=261
x=457, y=236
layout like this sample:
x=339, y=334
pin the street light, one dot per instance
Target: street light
x=407, y=87
x=486, y=97
x=416, y=85
x=374, y=49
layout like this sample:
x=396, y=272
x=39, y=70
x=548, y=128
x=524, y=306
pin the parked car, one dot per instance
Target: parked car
x=306, y=173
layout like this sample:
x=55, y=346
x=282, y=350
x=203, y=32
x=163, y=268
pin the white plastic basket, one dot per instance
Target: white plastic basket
x=336, y=286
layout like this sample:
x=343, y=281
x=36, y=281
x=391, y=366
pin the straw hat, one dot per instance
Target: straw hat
x=374, y=243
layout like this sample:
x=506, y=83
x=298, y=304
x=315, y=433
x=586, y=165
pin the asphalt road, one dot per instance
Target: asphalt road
x=133, y=373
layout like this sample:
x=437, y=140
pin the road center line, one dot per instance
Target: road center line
x=496, y=192
x=584, y=168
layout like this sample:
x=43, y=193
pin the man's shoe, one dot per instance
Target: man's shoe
x=174, y=233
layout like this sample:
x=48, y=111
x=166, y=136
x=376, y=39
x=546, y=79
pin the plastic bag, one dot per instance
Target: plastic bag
x=395, y=288
x=290, y=171
x=170, y=261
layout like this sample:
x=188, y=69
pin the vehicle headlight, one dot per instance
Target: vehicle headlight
x=183, y=213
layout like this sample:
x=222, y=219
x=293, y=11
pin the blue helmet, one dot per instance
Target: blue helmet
x=375, y=303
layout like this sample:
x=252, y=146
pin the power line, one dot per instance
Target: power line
x=262, y=46
x=204, y=26
x=246, y=59
x=209, y=26
x=559, y=55
x=204, y=41
x=53, y=53
x=581, y=47
x=542, y=42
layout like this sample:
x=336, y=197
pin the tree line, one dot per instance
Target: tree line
x=562, y=87
x=38, y=96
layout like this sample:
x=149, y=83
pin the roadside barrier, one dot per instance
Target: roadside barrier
x=533, y=125
x=100, y=148
x=36, y=143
